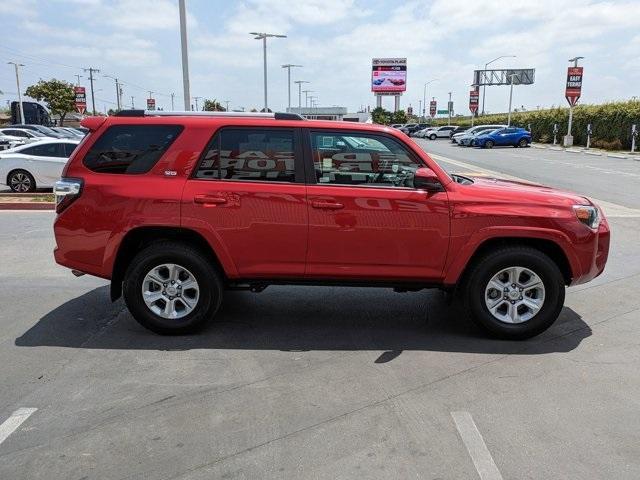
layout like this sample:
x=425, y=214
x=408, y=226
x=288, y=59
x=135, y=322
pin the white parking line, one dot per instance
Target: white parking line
x=14, y=421
x=476, y=447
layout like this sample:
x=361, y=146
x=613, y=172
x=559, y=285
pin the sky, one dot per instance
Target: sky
x=138, y=41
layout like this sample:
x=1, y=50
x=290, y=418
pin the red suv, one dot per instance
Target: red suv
x=176, y=208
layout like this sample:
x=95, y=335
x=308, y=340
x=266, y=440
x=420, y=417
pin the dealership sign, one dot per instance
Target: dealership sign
x=574, y=85
x=474, y=95
x=81, y=99
x=433, y=108
x=389, y=75
x=151, y=103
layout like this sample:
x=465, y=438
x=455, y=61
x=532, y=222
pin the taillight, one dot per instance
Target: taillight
x=66, y=191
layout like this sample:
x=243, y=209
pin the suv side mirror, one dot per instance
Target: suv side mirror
x=426, y=179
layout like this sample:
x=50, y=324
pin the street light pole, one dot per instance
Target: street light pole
x=288, y=66
x=263, y=36
x=185, y=56
x=227, y=102
x=449, y=109
x=20, y=107
x=300, y=82
x=306, y=97
x=484, y=87
x=424, y=98
x=510, y=97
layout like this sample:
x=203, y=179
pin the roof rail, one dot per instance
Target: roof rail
x=160, y=113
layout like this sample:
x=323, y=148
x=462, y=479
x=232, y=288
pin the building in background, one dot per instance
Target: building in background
x=320, y=113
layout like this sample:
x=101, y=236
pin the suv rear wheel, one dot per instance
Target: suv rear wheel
x=514, y=293
x=172, y=288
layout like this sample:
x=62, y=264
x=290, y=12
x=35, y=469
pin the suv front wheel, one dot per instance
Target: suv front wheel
x=514, y=292
x=172, y=288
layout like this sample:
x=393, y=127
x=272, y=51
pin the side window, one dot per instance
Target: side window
x=365, y=160
x=45, y=150
x=15, y=133
x=259, y=154
x=130, y=149
x=69, y=148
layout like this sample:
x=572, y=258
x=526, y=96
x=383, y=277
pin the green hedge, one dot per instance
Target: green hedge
x=610, y=123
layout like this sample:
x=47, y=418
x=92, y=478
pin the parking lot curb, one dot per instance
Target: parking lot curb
x=27, y=206
x=588, y=152
x=616, y=155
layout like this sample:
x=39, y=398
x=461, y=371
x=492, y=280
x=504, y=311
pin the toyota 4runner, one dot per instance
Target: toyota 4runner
x=176, y=208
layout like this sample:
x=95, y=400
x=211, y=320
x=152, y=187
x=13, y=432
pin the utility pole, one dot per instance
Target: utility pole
x=78, y=77
x=117, y=90
x=263, y=37
x=91, y=71
x=449, y=109
x=132, y=104
x=300, y=82
x=288, y=66
x=20, y=107
x=227, y=102
x=196, y=99
x=185, y=55
x=306, y=97
x=172, y=95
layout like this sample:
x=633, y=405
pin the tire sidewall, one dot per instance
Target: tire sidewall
x=543, y=267
x=32, y=181
x=210, y=295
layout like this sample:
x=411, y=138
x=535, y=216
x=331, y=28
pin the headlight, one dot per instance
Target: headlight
x=587, y=214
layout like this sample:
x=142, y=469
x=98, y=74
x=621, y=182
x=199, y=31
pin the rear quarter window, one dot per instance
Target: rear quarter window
x=130, y=149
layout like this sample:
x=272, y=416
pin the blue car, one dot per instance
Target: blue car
x=510, y=136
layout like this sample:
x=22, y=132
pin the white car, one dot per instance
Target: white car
x=35, y=165
x=441, y=132
x=424, y=132
x=472, y=132
x=8, y=141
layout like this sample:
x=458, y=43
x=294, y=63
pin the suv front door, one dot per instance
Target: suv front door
x=366, y=220
x=248, y=198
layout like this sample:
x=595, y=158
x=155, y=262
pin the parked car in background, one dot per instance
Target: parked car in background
x=441, y=132
x=407, y=127
x=397, y=125
x=46, y=131
x=464, y=138
x=510, y=136
x=149, y=203
x=36, y=165
x=64, y=132
x=417, y=128
x=457, y=131
x=28, y=136
x=424, y=132
x=8, y=141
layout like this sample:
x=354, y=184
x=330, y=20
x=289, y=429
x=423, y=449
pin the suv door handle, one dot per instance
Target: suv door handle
x=209, y=199
x=327, y=205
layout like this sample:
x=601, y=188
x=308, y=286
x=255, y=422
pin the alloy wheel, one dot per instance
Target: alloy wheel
x=170, y=291
x=514, y=295
x=20, y=182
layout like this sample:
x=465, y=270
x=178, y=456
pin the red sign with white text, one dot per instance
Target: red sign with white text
x=433, y=108
x=473, y=100
x=81, y=99
x=574, y=85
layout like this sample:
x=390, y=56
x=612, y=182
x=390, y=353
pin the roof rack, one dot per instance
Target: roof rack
x=160, y=113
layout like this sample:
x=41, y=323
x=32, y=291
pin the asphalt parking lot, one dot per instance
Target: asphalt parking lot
x=305, y=382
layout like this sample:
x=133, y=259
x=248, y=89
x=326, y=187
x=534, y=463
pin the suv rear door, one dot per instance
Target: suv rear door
x=366, y=221
x=248, y=197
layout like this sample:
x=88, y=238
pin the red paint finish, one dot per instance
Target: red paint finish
x=271, y=230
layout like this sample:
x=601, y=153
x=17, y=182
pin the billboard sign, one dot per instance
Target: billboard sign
x=389, y=75
x=474, y=95
x=433, y=108
x=151, y=103
x=574, y=85
x=81, y=99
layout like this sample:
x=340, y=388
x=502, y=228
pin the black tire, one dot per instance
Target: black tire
x=484, y=268
x=201, y=266
x=21, y=181
x=432, y=136
x=523, y=143
x=488, y=144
